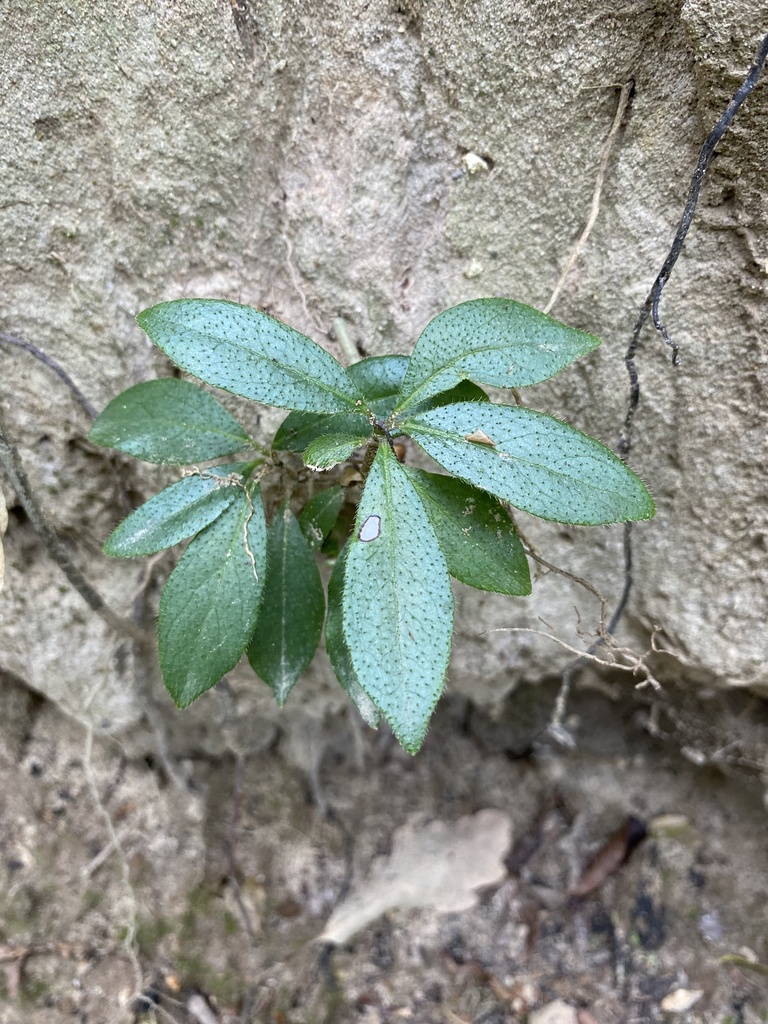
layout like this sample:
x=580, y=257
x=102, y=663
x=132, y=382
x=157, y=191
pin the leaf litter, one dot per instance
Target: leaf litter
x=438, y=865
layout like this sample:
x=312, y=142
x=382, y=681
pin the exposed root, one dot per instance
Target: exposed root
x=624, y=95
x=622, y=658
x=61, y=373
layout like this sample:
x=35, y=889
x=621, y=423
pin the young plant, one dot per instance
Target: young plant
x=244, y=585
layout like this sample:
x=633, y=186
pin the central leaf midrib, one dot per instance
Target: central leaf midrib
x=454, y=439
x=204, y=427
x=181, y=515
x=283, y=599
x=392, y=543
x=298, y=375
x=225, y=565
x=447, y=366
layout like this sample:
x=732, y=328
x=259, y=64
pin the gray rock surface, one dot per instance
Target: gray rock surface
x=312, y=163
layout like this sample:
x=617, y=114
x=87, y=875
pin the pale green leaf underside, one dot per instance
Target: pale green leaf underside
x=169, y=421
x=328, y=451
x=475, y=533
x=249, y=353
x=397, y=602
x=379, y=378
x=178, y=512
x=337, y=649
x=292, y=609
x=537, y=463
x=489, y=341
x=209, y=606
x=319, y=514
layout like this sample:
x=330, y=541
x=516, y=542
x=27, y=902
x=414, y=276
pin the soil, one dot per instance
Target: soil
x=189, y=887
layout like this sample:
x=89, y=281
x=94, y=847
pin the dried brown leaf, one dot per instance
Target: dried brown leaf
x=612, y=854
x=439, y=865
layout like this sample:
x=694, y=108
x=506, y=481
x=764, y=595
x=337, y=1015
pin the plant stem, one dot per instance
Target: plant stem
x=370, y=455
x=346, y=344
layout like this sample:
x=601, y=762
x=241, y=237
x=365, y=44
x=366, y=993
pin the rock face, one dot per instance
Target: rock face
x=378, y=162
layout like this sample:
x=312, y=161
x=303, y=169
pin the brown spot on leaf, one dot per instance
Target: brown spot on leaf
x=479, y=437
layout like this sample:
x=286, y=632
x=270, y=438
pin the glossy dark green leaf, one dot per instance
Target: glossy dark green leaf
x=476, y=535
x=397, y=602
x=533, y=461
x=326, y=452
x=210, y=603
x=489, y=341
x=292, y=608
x=169, y=421
x=319, y=514
x=249, y=353
x=299, y=429
x=178, y=512
x=337, y=649
x=465, y=391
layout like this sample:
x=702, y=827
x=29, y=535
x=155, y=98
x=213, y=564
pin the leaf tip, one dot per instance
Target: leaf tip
x=143, y=317
x=179, y=699
x=411, y=739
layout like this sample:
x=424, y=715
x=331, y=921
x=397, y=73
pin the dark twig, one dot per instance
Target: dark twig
x=651, y=304
x=651, y=308
x=11, y=463
x=60, y=372
x=245, y=25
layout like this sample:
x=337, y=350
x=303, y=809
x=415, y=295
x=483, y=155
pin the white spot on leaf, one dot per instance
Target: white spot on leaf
x=370, y=529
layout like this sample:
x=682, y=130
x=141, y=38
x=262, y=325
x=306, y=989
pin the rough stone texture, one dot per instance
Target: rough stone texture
x=227, y=878
x=312, y=164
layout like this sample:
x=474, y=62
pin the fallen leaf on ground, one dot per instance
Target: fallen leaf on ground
x=585, y=1017
x=611, y=855
x=668, y=826
x=557, y=1012
x=681, y=1000
x=439, y=865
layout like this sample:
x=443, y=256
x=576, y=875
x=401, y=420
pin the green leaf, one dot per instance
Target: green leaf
x=378, y=379
x=534, y=462
x=249, y=353
x=328, y=451
x=210, y=603
x=489, y=341
x=397, y=602
x=476, y=535
x=178, y=512
x=465, y=391
x=292, y=608
x=169, y=421
x=299, y=429
x=319, y=514
x=337, y=649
